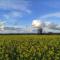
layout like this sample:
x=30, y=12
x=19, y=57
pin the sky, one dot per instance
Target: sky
x=23, y=12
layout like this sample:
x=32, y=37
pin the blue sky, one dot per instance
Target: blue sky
x=22, y=12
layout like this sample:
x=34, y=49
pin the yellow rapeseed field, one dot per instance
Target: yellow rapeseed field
x=29, y=47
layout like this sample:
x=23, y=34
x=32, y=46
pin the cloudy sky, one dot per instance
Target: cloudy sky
x=22, y=12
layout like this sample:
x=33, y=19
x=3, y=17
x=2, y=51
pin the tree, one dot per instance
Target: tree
x=40, y=31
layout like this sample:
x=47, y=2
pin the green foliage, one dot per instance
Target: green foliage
x=29, y=47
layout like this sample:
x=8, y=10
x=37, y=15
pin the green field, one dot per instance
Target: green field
x=29, y=47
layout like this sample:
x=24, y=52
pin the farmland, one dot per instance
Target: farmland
x=29, y=47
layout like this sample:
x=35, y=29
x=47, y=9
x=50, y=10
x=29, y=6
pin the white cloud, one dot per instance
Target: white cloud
x=13, y=10
x=16, y=14
x=48, y=25
x=51, y=15
x=37, y=23
x=51, y=25
x=13, y=15
x=18, y=5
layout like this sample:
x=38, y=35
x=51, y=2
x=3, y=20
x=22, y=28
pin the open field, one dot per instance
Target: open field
x=29, y=47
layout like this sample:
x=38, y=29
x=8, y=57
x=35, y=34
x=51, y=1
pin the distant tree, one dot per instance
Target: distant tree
x=40, y=31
